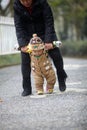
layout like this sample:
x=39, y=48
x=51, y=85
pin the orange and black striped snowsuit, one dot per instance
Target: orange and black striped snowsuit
x=42, y=68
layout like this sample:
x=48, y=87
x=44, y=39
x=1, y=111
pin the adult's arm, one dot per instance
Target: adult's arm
x=21, y=31
x=50, y=34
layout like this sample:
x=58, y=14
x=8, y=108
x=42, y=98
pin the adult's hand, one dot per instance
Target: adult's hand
x=48, y=46
x=24, y=49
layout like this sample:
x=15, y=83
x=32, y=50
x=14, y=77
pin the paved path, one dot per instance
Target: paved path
x=58, y=111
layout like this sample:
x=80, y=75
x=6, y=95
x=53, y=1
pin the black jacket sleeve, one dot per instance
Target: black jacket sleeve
x=21, y=32
x=50, y=34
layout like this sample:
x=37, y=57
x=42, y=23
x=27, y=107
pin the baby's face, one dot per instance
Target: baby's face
x=38, y=52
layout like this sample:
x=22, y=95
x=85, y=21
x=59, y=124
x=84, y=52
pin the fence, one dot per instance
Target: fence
x=7, y=36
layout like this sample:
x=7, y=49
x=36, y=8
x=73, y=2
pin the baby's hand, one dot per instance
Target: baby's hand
x=29, y=49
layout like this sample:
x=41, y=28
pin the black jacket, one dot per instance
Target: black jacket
x=40, y=21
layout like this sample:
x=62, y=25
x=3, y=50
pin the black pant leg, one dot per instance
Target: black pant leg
x=26, y=72
x=58, y=63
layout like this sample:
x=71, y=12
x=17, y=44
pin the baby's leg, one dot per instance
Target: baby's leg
x=39, y=80
x=51, y=79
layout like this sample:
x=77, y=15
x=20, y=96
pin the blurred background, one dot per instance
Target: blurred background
x=70, y=18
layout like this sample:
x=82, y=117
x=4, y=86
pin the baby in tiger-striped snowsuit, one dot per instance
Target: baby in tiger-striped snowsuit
x=41, y=66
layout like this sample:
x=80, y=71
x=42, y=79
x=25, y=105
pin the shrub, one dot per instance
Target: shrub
x=78, y=48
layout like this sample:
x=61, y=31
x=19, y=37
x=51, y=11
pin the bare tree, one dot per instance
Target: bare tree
x=8, y=10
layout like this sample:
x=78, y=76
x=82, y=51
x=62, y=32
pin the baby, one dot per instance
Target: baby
x=41, y=65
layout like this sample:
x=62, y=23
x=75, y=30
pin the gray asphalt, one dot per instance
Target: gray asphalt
x=58, y=111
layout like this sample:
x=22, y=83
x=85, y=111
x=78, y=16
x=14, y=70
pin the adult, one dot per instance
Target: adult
x=35, y=16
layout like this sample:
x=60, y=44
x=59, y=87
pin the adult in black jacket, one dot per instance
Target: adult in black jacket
x=35, y=16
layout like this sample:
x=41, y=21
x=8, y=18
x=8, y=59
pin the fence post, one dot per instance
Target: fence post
x=7, y=36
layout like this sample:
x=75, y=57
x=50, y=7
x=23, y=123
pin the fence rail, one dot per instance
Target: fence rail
x=7, y=36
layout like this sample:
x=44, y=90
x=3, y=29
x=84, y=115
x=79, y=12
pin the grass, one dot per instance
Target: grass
x=8, y=60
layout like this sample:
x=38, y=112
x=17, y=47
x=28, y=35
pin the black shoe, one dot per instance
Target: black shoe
x=26, y=93
x=62, y=86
